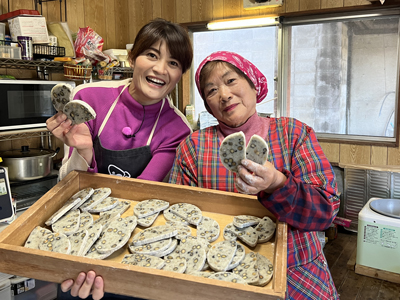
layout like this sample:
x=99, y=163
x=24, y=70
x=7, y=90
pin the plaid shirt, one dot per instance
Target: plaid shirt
x=309, y=200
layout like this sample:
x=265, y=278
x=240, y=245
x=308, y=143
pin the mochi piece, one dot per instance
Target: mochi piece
x=233, y=150
x=221, y=255
x=61, y=95
x=257, y=150
x=79, y=112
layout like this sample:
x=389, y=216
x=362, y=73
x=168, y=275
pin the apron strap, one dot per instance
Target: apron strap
x=155, y=124
x=110, y=111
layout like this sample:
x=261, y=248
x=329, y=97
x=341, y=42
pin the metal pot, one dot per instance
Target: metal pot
x=28, y=164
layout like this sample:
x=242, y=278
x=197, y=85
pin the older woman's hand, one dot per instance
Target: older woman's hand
x=84, y=285
x=253, y=178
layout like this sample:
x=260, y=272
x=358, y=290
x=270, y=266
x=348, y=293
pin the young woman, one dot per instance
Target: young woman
x=296, y=184
x=137, y=128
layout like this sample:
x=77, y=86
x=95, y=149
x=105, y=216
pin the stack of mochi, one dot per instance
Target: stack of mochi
x=170, y=246
x=250, y=230
x=74, y=231
x=77, y=111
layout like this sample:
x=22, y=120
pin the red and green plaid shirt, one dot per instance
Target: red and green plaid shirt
x=309, y=200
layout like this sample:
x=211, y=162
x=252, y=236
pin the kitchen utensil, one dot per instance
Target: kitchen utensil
x=28, y=164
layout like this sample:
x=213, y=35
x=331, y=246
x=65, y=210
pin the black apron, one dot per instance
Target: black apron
x=126, y=163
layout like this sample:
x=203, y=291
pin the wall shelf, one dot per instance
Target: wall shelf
x=122, y=70
x=24, y=134
x=30, y=64
x=51, y=66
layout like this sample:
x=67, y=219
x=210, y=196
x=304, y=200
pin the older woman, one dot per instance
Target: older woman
x=297, y=184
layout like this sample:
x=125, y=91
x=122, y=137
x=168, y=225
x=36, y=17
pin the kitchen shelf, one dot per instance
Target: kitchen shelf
x=122, y=70
x=30, y=64
x=54, y=66
x=26, y=134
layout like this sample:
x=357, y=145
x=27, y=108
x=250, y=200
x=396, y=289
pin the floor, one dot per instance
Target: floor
x=340, y=254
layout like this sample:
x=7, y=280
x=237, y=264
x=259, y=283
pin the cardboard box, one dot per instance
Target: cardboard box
x=133, y=280
x=34, y=27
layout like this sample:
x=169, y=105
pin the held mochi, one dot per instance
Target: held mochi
x=257, y=150
x=233, y=150
x=79, y=112
x=61, y=95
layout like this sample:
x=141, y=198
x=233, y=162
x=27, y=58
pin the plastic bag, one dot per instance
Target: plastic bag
x=89, y=44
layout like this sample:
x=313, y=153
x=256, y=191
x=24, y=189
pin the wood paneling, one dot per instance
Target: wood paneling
x=121, y=26
x=112, y=22
x=95, y=17
x=355, y=154
x=168, y=10
x=356, y=2
x=332, y=151
x=183, y=11
x=202, y=10
x=76, y=15
x=331, y=3
x=292, y=6
x=218, y=9
x=232, y=8
x=157, y=8
x=379, y=155
x=309, y=5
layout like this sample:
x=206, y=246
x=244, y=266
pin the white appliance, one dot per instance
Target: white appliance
x=26, y=103
x=378, y=238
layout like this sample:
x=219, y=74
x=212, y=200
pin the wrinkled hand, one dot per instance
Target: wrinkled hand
x=253, y=178
x=84, y=285
x=77, y=136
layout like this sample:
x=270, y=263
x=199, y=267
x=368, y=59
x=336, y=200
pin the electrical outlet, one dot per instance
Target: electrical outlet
x=249, y=4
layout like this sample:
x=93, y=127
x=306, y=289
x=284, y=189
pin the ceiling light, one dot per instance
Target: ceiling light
x=241, y=23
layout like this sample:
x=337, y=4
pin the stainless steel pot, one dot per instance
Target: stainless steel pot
x=28, y=164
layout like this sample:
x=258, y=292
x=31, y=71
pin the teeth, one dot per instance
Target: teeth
x=155, y=80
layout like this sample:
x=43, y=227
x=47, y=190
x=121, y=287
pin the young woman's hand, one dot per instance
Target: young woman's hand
x=84, y=285
x=77, y=136
x=253, y=178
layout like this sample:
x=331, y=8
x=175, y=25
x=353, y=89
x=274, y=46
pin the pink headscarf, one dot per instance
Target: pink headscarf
x=250, y=70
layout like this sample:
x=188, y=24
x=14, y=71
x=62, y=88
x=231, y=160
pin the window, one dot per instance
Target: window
x=338, y=74
x=259, y=45
x=342, y=76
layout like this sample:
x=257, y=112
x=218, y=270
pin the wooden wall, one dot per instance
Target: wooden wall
x=118, y=21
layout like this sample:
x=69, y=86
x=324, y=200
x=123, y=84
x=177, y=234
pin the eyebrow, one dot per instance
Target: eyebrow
x=154, y=49
x=223, y=76
x=159, y=52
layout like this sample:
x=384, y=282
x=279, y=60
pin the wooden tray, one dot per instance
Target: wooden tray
x=133, y=280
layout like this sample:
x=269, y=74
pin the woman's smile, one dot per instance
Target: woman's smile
x=231, y=107
x=155, y=81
